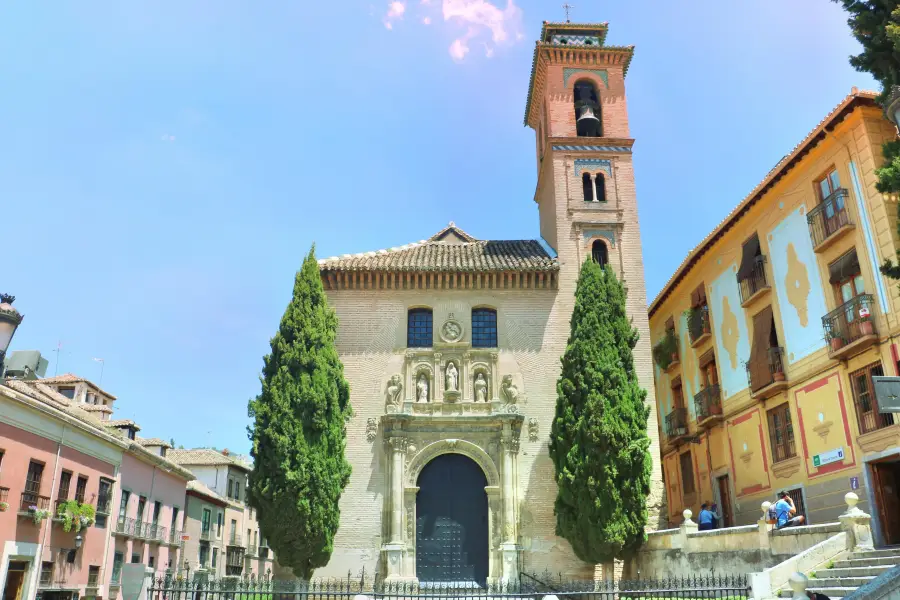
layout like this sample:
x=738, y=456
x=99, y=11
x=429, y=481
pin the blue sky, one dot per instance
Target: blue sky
x=165, y=165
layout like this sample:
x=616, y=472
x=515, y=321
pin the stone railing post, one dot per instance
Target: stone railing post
x=798, y=583
x=687, y=527
x=764, y=525
x=857, y=524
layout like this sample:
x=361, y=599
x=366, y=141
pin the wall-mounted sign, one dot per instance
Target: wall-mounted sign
x=854, y=483
x=887, y=393
x=829, y=457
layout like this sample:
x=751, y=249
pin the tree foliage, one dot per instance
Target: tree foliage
x=876, y=25
x=599, y=441
x=298, y=431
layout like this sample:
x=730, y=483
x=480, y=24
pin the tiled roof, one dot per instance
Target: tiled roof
x=202, y=457
x=846, y=105
x=96, y=408
x=37, y=390
x=437, y=255
x=198, y=487
x=123, y=423
x=145, y=442
x=72, y=378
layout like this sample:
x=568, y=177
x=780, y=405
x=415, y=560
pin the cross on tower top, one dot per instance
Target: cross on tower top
x=567, y=8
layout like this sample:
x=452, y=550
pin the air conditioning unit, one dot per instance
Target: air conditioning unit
x=25, y=364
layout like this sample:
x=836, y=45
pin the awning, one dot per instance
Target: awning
x=844, y=268
x=760, y=375
x=748, y=259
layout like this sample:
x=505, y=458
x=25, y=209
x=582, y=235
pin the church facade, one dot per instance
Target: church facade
x=452, y=348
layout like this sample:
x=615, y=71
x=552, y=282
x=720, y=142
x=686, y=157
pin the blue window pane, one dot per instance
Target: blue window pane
x=484, y=328
x=418, y=330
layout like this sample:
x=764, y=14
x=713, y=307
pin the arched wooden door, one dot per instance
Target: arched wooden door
x=452, y=521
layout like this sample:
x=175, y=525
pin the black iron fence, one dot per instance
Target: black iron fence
x=530, y=587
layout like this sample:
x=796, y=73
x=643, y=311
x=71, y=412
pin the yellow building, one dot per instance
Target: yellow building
x=767, y=336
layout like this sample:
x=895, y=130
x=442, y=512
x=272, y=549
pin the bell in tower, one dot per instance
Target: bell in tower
x=587, y=110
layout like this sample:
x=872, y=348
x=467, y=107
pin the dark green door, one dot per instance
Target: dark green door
x=452, y=521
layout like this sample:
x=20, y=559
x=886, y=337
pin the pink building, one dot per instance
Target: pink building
x=52, y=453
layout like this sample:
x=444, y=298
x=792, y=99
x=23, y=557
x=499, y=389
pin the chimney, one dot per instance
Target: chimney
x=225, y=452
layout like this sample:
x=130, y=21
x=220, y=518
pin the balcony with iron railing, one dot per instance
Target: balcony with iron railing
x=235, y=540
x=4, y=494
x=708, y=405
x=176, y=537
x=850, y=328
x=756, y=284
x=251, y=549
x=208, y=534
x=153, y=532
x=830, y=220
x=766, y=374
x=676, y=425
x=30, y=501
x=699, y=326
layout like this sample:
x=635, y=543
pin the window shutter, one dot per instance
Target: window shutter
x=748, y=259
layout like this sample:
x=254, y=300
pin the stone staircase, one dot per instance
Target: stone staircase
x=844, y=576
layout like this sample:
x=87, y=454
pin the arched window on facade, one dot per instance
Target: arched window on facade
x=600, y=185
x=484, y=328
x=419, y=333
x=599, y=253
x=588, y=186
x=587, y=110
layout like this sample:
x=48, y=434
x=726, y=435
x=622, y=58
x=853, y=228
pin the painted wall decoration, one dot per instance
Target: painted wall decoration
x=690, y=374
x=824, y=425
x=747, y=453
x=798, y=286
x=732, y=338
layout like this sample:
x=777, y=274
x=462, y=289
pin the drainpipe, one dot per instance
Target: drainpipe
x=109, y=527
x=48, y=524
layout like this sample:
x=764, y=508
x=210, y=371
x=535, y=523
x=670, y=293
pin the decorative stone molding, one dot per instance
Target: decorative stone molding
x=451, y=331
x=532, y=429
x=371, y=428
x=786, y=468
x=822, y=429
x=464, y=447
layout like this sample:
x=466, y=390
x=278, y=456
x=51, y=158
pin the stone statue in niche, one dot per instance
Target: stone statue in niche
x=480, y=388
x=509, y=389
x=452, y=378
x=394, y=388
x=422, y=388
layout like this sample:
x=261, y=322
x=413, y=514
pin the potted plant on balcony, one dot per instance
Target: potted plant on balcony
x=836, y=342
x=665, y=352
x=4, y=506
x=76, y=516
x=38, y=514
x=778, y=375
x=865, y=322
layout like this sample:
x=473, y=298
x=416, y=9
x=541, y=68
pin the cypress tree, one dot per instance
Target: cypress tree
x=599, y=441
x=298, y=431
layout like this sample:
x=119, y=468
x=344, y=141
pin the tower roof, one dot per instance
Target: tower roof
x=577, y=44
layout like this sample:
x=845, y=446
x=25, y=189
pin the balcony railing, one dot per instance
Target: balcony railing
x=235, y=540
x=829, y=217
x=4, y=494
x=176, y=537
x=208, y=534
x=708, y=403
x=698, y=323
x=762, y=376
x=756, y=281
x=849, y=323
x=30, y=499
x=676, y=424
x=155, y=532
x=251, y=550
x=103, y=505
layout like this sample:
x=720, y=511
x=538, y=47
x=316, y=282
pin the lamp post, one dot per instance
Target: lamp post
x=78, y=541
x=892, y=106
x=9, y=322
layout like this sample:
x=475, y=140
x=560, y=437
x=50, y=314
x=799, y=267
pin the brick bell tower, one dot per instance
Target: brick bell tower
x=585, y=187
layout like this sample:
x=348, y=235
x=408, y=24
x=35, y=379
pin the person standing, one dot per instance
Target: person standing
x=706, y=518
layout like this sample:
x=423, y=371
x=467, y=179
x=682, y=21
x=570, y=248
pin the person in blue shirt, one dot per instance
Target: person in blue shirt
x=706, y=520
x=786, y=513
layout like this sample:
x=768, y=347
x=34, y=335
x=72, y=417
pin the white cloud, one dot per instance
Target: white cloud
x=168, y=138
x=427, y=20
x=488, y=51
x=482, y=14
x=394, y=13
x=459, y=48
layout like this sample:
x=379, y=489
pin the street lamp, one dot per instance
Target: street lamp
x=9, y=321
x=78, y=542
x=892, y=106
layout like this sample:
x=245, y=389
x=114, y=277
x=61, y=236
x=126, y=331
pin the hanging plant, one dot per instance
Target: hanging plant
x=75, y=516
x=4, y=506
x=665, y=352
x=38, y=514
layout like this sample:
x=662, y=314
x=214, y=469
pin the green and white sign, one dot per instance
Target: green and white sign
x=829, y=457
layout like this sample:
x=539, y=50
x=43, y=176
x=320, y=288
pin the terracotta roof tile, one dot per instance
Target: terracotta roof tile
x=202, y=457
x=72, y=378
x=123, y=423
x=145, y=442
x=198, y=487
